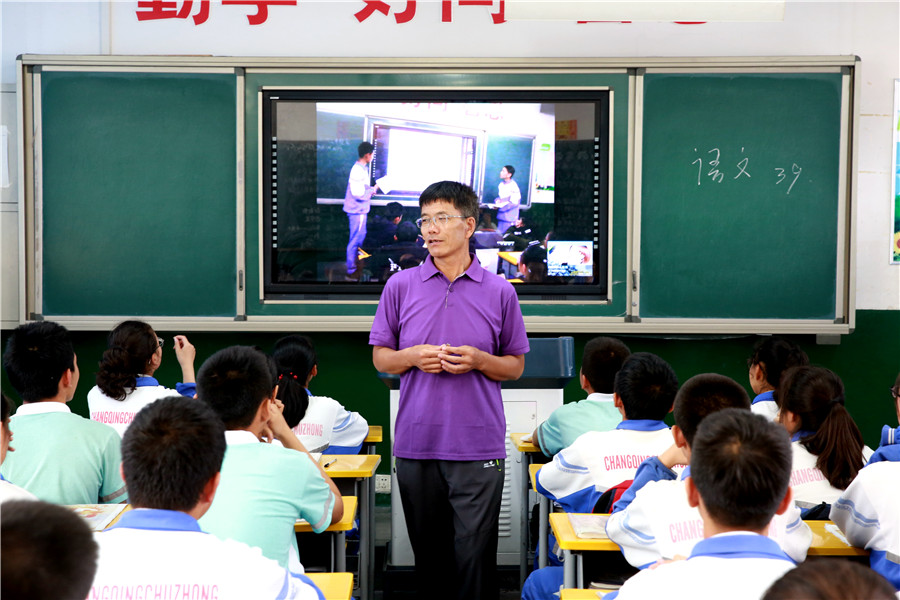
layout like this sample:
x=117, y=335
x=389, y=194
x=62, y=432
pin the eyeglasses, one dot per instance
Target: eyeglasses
x=160, y=341
x=439, y=220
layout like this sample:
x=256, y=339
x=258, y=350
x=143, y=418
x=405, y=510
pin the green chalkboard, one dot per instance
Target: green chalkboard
x=740, y=196
x=139, y=194
x=507, y=150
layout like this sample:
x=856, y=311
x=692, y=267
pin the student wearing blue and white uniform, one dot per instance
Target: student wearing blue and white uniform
x=771, y=357
x=61, y=457
x=158, y=549
x=827, y=445
x=321, y=423
x=653, y=520
x=264, y=487
x=602, y=359
x=740, y=472
x=125, y=382
x=889, y=449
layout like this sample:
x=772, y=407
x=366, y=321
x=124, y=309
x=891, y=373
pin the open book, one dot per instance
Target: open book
x=98, y=516
x=589, y=526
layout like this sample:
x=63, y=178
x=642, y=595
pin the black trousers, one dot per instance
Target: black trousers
x=452, y=512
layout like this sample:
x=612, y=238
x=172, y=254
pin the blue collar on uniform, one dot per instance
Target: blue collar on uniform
x=145, y=381
x=642, y=425
x=2, y=478
x=802, y=434
x=739, y=545
x=157, y=519
x=686, y=473
x=308, y=393
x=765, y=397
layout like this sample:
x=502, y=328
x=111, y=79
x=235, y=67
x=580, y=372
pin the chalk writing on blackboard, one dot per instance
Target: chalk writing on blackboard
x=715, y=175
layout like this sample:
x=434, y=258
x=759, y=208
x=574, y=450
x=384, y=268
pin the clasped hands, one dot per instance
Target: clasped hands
x=451, y=359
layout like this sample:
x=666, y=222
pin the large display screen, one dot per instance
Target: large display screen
x=343, y=171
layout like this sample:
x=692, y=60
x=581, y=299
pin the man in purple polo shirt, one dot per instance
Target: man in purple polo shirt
x=453, y=331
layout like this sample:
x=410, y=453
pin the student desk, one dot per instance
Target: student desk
x=543, y=515
x=577, y=594
x=339, y=531
x=528, y=450
x=334, y=586
x=360, y=468
x=375, y=437
x=825, y=543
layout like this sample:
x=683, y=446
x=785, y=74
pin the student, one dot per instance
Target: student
x=60, y=457
x=740, y=472
x=771, y=357
x=320, y=422
x=125, y=382
x=644, y=390
x=48, y=552
x=158, y=550
x=357, y=201
x=828, y=447
x=889, y=449
x=653, y=519
x=533, y=263
x=508, y=199
x=603, y=357
x=264, y=488
x=868, y=512
x=830, y=579
x=8, y=491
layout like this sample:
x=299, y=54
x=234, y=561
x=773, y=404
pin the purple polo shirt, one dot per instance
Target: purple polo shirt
x=444, y=416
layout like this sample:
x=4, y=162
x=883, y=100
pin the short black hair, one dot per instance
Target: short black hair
x=170, y=451
x=701, y=396
x=407, y=232
x=234, y=382
x=831, y=579
x=510, y=169
x=365, y=148
x=49, y=552
x=392, y=210
x=741, y=466
x=602, y=359
x=36, y=357
x=647, y=385
x=461, y=196
x=775, y=355
x=295, y=357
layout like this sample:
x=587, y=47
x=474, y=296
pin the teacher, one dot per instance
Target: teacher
x=453, y=331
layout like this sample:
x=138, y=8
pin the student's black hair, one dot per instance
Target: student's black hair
x=510, y=169
x=365, y=148
x=830, y=579
x=535, y=258
x=462, y=197
x=170, y=451
x=130, y=346
x=741, y=466
x=49, y=552
x=295, y=357
x=37, y=354
x=702, y=395
x=602, y=359
x=816, y=396
x=6, y=405
x=775, y=355
x=407, y=232
x=392, y=210
x=234, y=382
x=647, y=386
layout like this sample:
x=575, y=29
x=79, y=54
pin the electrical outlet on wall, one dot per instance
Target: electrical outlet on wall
x=382, y=484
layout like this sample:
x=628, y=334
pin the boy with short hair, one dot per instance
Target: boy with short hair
x=603, y=357
x=172, y=453
x=645, y=388
x=265, y=488
x=61, y=457
x=740, y=475
x=653, y=519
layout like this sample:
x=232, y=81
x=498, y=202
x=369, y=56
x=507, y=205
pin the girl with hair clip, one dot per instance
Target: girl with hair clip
x=771, y=357
x=125, y=382
x=828, y=446
x=321, y=423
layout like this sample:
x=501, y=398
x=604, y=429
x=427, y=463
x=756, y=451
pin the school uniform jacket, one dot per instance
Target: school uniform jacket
x=808, y=482
x=654, y=521
x=330, y=428
x=598, y=460
x=764, y=404
x=890, y=446
x=119, y=414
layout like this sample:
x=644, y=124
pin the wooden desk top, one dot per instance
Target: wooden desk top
x=375, y=436
x=565, y=536
x=573, y=594
x=523, y=446
x=826, y=543
x=350, y=465
x=532, y=474
x=345, y=524
x=334, y=586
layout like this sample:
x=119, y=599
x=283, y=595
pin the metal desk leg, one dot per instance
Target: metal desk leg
x=523, y=523
x=367, y=540
x=568, y=569
x=340, y=541
x=543, y=531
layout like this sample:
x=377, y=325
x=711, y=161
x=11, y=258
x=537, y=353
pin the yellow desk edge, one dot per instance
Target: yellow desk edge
x=523, y=446
x=350, y=465
x=334, y=586
x=345, y=524
x=375, y=435
x=565, y=536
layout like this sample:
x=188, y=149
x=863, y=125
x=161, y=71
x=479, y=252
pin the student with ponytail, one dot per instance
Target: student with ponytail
x=125, y=382
x=321, y=423
x=828, y=446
